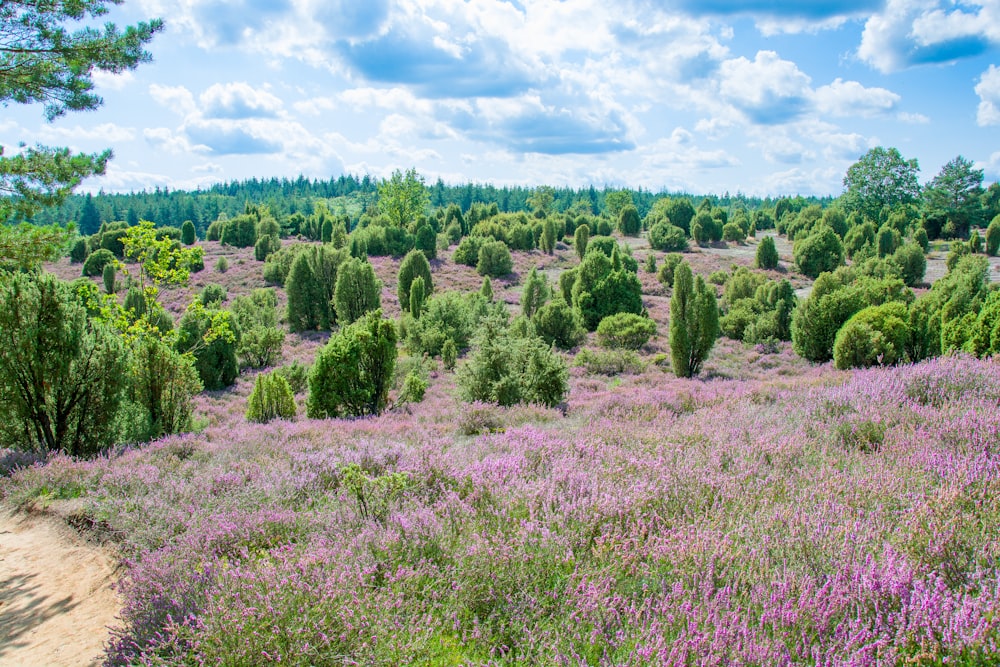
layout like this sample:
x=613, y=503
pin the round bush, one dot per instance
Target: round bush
x=667, y=237
x=94, y=266
x=271, y=398
x=625, y=330
x=494, y=259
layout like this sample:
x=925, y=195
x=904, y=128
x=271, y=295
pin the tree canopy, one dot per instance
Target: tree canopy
x=880, y=178
x=401, y=198
x=44, y=61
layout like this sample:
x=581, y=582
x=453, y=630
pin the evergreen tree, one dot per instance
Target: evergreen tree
x=414, y=264
x=417, y=296
x=271, y=398
x=109, y=276
x=188, y=236
x=426, y=241
x=89, y=221
x=357, y=292
x=486, y=290
x=629, y=222
x=580, y=239
x=548, y=240
x=535, y=293
x=767, y=254
x=694, y=322
x=353, y=372
x=304, y=296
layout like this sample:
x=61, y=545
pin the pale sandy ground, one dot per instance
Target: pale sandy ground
x=56, y=597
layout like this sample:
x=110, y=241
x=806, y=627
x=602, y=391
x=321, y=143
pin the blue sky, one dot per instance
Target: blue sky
x=755, y=96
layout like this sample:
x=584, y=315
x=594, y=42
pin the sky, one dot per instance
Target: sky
x=761, y=97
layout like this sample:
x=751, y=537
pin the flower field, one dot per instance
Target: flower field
x=815, y=517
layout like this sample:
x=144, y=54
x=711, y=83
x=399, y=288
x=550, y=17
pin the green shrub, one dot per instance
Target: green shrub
x=600, y=290
x=694, y=322
x=271, y=398
x=625, y=330
x=188, y=236
x=94, y=266
x=467, y=252
x=214, y=231
x=732, y=232
x=767, y=254
x=629, y=222
x=222, y=265
x=413, y=265
x=296, y=375
x=357, y=290
x=507, y=369
x=449, y=354
x=650, y=264
x=240, y=231
x=426, y=241
x=78, y=252
x=266, y=245
x=558, y=324
x=354, y=370
x=993, y=237
x=912, y=263
x=670, y=264
x=667, y=237
x=110, y=273
x=212, y=294
x=214, y=356
x=450, y=316
x=581, y=237
x=873, y=335
x=975, y=242
x=920, y=238
x=494, y=259
x=418, y=297
x=534, y=294
x=820, y=251
x=610, y=362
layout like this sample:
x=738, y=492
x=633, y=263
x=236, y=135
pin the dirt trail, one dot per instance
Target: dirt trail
x=56, y=600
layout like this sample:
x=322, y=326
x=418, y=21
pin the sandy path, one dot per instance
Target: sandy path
x=56, y=600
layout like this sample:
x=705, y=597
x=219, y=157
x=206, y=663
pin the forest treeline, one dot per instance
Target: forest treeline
x=347, y=194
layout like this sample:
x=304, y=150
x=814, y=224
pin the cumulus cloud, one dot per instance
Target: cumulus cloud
x=111, y=81
x=238, y=100
x=104, y=133
x=768, y=90
x=988, y=90
x=176, y=98
x=850, y=98
x=918, y=32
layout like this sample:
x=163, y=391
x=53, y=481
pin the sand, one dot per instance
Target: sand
x=56, y=596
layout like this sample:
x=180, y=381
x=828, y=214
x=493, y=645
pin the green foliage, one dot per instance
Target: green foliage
x=767, y=254
x=887, y=240
x=629, y=222
x=650, y=264
x=486, y=289
x=467, y=252
x=993, y=237
x=266, y=245
x=297, y=376
x=667, y=237
x=860, y=237
x=876, y=335
x=449, y=316
x=494, y=259
x=820, y=251
x=212, y=294
x=670, y=264
x=78, y=252
x=581, y=237
x=109, y=275
x=449, y=354
x=188, y=235
x=912, y=263
x=733, y=233
x=161, y=386
x=214, y=356
x=353, y=372
x=418, y=297
x=94, y=266
x=678, y=211
x=240, y=231
x=558, y=324
x=60, y=371
x=625, y=331
x=880, y=178
x=547, y=242
x=279, y=263
x=310, y=286
x=271, y=398
x=956, y=251
x=42, y=60
x=954, y=194
x=414, y=265
x=426, y=241
x=357, y=290
x=975, y=242
x=535, y=293
x=609, y=362
x=507, y=369
x=600, y=290
x=221, y=265
x=403, y=197
x=694, y=322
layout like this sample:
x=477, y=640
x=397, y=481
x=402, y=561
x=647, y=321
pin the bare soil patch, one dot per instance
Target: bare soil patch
x=56, y=595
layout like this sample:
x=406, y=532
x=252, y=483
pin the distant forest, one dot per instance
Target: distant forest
x=347, y=195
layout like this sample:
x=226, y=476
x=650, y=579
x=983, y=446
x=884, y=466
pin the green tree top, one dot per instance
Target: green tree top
x=880, y=178
x=401, y=198
x=43, y=61
x=956, y=193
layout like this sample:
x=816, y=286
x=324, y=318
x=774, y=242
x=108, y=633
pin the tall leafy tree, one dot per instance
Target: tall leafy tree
x=358, y=291
x=882, y=177
x=49, y=55
x=403, y=197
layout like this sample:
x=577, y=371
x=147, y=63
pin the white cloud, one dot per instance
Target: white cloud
x=850, y=98
x=176, y=98
x=913, y=118
x=104, y=133
x=111, y=81
x=917, y=32
x=768, y=89
x=315, y=106
x=239, y=100
x=988, y=90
